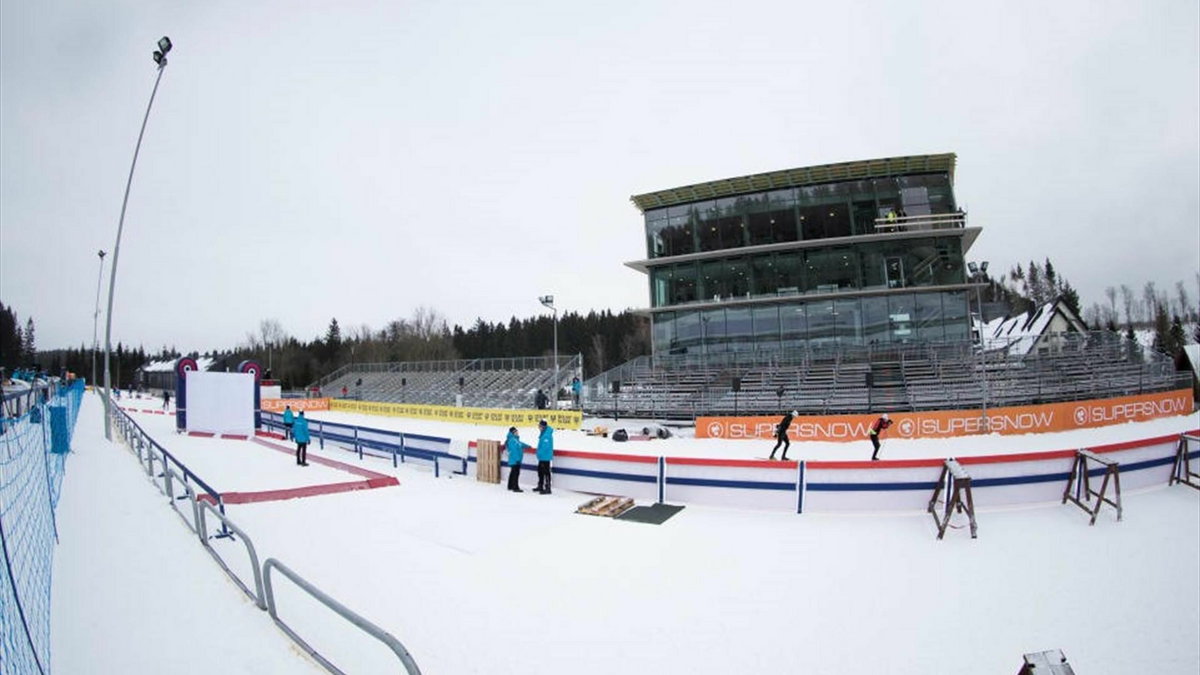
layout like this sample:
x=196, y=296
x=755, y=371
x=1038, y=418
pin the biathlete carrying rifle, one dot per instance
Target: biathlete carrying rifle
x=877, y=428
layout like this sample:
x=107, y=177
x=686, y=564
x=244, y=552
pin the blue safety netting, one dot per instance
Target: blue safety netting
x=33, y=426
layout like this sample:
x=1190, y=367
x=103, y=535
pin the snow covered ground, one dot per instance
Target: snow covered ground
x=474, y=579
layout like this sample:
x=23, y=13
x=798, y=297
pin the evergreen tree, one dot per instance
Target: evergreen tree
x=29, y=343
x=10, y=339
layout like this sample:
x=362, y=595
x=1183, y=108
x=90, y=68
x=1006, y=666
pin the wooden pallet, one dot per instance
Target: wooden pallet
x=609, y=507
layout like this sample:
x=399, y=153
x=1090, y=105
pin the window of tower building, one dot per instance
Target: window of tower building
x=930, y=320
x=679, y=235
x=687, y=333
x=664, y=332
x=954, y=308
x=661, y=286
x=739, y=329
x=847, y=318
x=739, y=278
x=772, y=227
x=830, y=269
x=821, y=323
x=766, y=326
x=714, y=285
x=793, y=325
x=765, y=274
x=901, y=309
x=683, y=283
x=713, y=331
x=656, y=223
x=789, y=269
x=875, y=320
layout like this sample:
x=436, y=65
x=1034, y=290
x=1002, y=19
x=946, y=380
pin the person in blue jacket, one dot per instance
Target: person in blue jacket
x=288, y=419
x=545, y=453
x=516, y=451
x=300, y=433
x=577, y=391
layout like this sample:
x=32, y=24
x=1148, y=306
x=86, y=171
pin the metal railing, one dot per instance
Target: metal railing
x=150, y=451
x=341, y=610
x=202, y=532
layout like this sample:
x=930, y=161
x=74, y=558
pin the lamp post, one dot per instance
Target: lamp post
x=978, y=273
x=160, y=57
x=96, y=320
x=548, y=301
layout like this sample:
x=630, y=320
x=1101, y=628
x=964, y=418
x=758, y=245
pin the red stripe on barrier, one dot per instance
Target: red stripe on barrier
x=1128, y=445
x=869, y=464
x=350, y=468
x=201, y=434
x=607, y=456
x=1018, y=457
x=743, y=463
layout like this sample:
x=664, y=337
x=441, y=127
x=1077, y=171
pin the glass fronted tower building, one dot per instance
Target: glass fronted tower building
x=855, y=253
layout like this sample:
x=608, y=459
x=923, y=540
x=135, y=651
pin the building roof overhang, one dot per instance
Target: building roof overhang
x=798, y=177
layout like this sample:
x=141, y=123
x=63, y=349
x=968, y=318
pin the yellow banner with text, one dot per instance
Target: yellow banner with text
x=559, y=419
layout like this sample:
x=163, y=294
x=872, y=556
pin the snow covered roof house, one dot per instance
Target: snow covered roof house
x=1039, y=331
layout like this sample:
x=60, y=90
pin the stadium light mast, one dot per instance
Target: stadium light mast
x=548, y=301
x=160, y=57
x=978, y=274
x=96, y=320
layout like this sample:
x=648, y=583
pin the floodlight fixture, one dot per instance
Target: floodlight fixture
x=164, y=45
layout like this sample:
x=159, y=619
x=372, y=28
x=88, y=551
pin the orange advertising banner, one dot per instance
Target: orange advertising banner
x=1032, y=419
x=276, y=405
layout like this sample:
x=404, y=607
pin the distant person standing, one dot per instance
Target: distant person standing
x=540, y=400
x=876, y=431
x=516, y=452
x=545, y=453
x=166, y=399
x=781, y=434
x=300, y=433
x=288, y=418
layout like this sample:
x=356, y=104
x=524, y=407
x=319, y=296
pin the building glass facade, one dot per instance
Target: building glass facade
x=826, y=263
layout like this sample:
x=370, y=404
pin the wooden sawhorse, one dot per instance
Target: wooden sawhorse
x=1182, y=472
x=956, y=483
x=1083, y=492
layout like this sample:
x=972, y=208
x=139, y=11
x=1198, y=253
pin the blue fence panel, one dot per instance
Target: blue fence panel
x=30, y=483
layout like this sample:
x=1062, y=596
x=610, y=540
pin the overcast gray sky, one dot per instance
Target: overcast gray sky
x=357, y=160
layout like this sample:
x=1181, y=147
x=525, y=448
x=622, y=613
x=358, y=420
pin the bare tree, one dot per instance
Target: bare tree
x=1127, y=301
x=596, y=353
x=1111, y=294
x=1150, y=298
x=1185, y=307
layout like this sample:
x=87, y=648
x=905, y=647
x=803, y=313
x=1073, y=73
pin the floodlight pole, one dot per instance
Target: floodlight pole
x=548, y=301
x=160, y=57
x=977, y=274
x=96, y=322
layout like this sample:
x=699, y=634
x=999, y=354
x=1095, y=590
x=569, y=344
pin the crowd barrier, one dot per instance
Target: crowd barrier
x=846, y=486
x=401, y=447
x=149, y=451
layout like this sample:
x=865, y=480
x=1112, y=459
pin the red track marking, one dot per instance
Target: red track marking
x=349, y=468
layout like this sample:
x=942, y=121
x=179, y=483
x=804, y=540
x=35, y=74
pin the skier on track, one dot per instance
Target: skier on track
x=877, y=428
x=781, y=434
